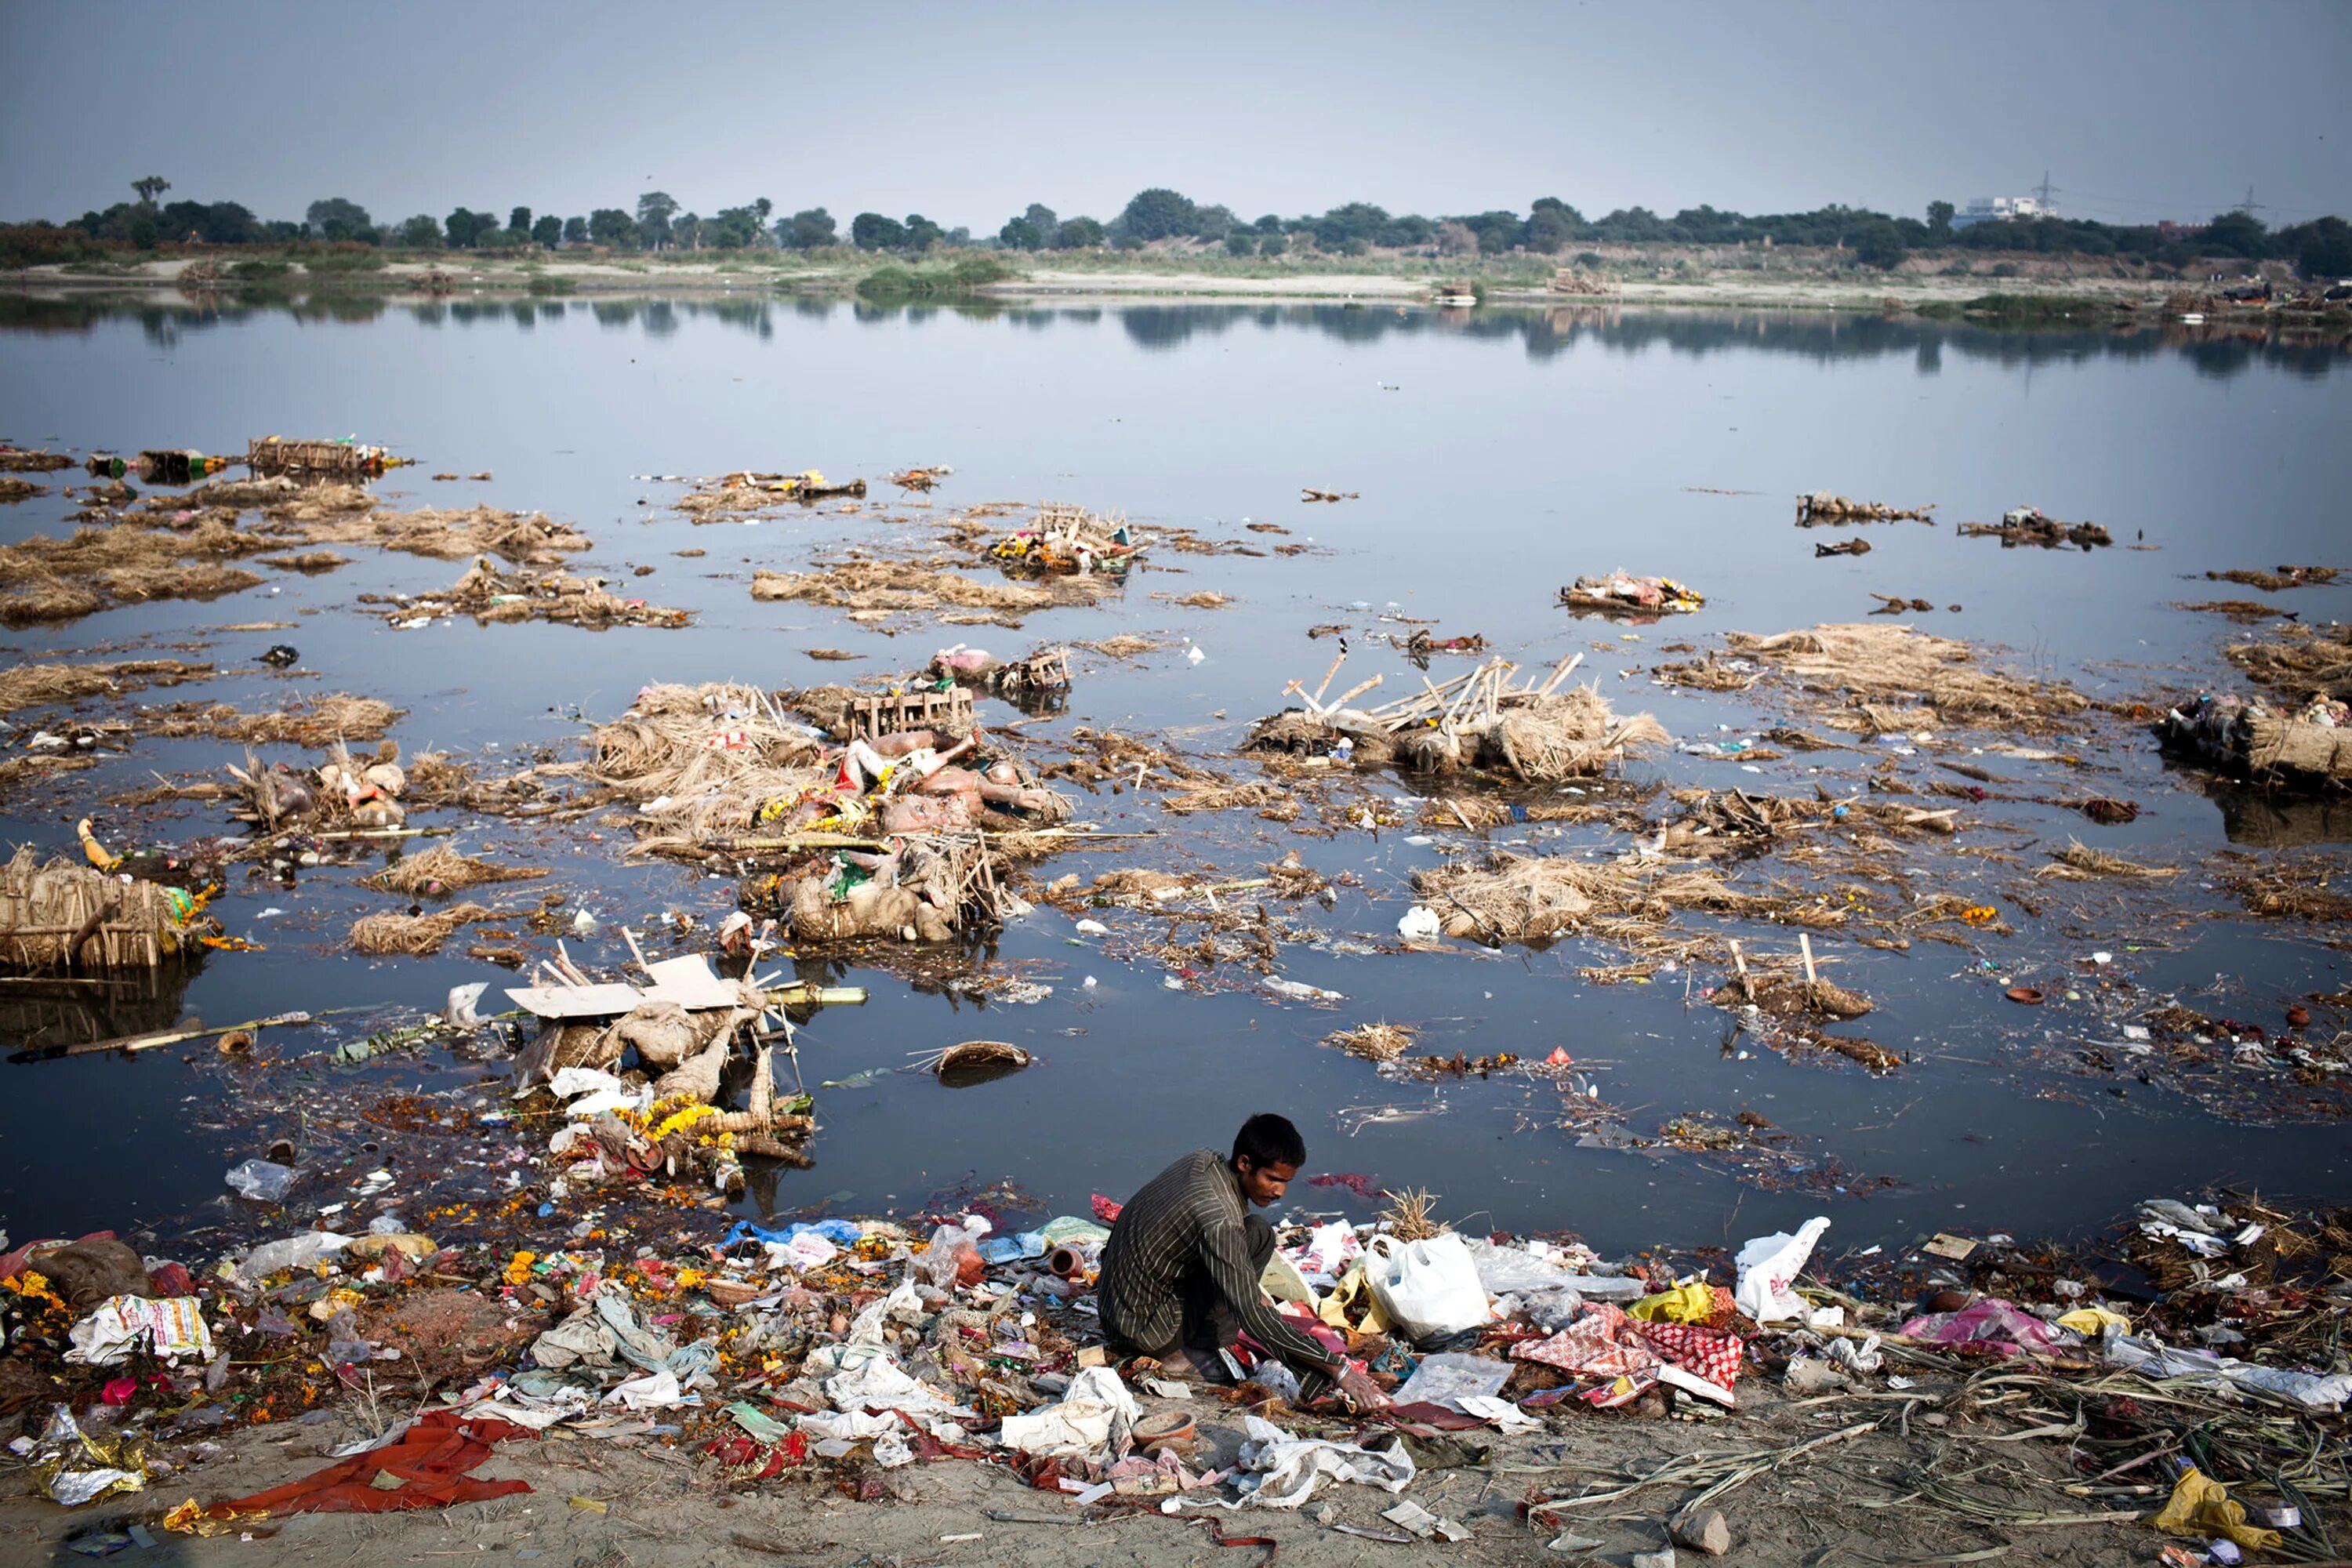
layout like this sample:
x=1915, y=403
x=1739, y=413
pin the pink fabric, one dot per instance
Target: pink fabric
x=1991, y=1324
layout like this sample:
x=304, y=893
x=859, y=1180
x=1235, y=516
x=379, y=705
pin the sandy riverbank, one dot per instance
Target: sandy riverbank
x=560, y=275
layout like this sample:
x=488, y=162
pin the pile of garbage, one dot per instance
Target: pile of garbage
x=1066, y=540
x=852, y=828
x=1815, y=507
x=1535, y=734
x=2309, y=748
x=490, y=596
x=58, y=916
x=746, y=493
x=1623, y=594
x=834, y=1352
x=2032, y=525
x=342, y=791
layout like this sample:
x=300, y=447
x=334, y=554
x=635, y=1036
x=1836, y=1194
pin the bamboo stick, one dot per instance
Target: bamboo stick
x=1353, y=692
x=1567, y=667
x=1805, y=945
x=1328, y=674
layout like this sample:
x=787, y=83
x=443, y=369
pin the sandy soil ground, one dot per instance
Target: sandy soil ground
x=1796, y=288
x=1843, y=1503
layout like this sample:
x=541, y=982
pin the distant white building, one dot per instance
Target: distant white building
x=1998, y=209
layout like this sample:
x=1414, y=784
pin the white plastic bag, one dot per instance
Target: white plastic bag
x=1428, y=1288
x=1766, y=1266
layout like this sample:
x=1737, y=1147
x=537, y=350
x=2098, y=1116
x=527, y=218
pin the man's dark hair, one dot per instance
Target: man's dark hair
x=1266, y=1140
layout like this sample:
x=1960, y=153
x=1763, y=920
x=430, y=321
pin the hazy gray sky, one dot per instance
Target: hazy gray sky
x=967, y=113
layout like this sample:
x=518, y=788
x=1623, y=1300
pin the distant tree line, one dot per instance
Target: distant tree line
x=1550, y=226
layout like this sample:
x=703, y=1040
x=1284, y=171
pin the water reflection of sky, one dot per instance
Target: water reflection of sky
x=1497, y=455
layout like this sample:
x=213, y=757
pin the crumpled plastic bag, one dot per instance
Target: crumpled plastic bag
x=1093, y=1421
x=848, y=1426
x=1329, y=1247
x=1449, y=1377
x=1768, y=1264
x=173, y=1326
x=1288, y=1468
x=72, y=1468
x=1865, y=1356
x=2202, y=1505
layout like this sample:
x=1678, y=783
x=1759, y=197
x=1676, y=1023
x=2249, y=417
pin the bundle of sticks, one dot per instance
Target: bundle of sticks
x=1477, y=694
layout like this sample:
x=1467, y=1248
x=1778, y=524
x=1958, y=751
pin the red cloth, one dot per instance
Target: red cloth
x=1106, y=1211
x=434, y=1457
x=1711, y=1353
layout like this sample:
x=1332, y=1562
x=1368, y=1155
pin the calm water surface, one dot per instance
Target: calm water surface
x=1496, y=459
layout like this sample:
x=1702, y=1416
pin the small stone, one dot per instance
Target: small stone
x=1663, y=1557
x=1704, y=1533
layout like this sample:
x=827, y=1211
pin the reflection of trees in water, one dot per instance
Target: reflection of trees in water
x=1821, y=336
x=2213, y=352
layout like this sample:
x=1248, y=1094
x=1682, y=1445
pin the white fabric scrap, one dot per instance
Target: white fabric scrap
x=1288, y=1467
x=1093, y=1420
x=881, y=1384
x=1499, y=1413
x=653, y=1391
x=848, y=1426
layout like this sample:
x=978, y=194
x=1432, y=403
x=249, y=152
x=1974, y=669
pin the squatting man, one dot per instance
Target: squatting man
x=1180, y=1272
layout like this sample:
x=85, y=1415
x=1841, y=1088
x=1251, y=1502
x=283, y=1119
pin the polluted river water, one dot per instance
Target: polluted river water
x=1491, y=459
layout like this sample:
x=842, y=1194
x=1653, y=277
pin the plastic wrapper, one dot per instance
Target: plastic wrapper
x=1449, y=1378
x=170, y=1328
x=72, y=1468
x=953, y=1258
